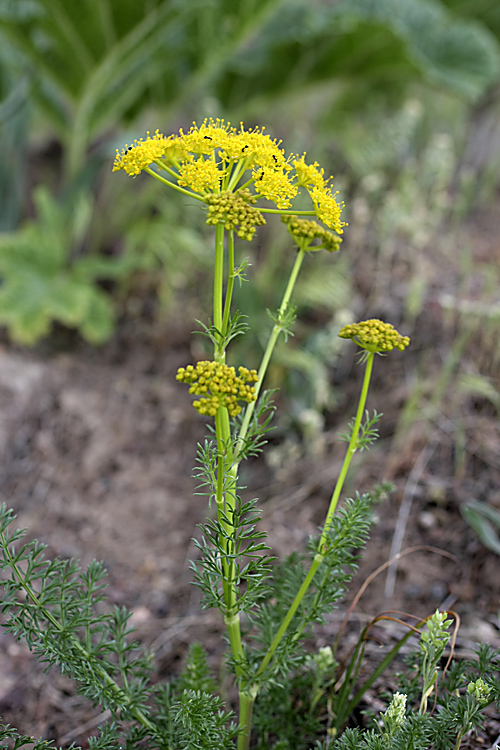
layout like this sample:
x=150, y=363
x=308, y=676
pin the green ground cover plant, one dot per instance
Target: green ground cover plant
x=285, y=694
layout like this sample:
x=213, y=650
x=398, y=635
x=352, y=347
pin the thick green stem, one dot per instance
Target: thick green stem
x=247, y=696
x=232, y=624
x=226, y=479
x=319, y=557
x=247, y=699
x=227, y=496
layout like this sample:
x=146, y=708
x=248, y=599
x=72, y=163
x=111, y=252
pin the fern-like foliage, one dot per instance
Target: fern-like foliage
x=260, y=425
x=282, y=718
x=252, y=565
x=203, y=722
x=237, y=326
x=10, y=738
x=58, y=609
x=196, y=673
x=347, y=535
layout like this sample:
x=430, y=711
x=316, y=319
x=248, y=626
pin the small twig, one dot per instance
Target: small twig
x=288, y=500
x=403, y=516
x=90, y=724
x=392, y=561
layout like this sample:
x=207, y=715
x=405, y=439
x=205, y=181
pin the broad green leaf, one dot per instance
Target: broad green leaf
x=462, y=56
x=352, y=42
x=483, y=518
x=41, y=283
x=22, y=309
x=99, y=321
x=68, y=301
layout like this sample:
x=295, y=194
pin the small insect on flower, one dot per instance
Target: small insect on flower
x=214, y=157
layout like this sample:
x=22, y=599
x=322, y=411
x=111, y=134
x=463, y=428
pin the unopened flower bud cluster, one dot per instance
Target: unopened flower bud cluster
x=479, y=689
x=219, y=385
x=375, y=336
x=395, y=716
x=235, y=211
x=302, y=229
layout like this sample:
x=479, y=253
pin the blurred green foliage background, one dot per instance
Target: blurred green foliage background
x=381, y=92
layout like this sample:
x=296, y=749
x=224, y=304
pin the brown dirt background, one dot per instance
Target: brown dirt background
x=97, y=448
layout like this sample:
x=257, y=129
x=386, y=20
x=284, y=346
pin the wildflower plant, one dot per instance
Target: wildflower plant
x=241, y=177
x=232, y=171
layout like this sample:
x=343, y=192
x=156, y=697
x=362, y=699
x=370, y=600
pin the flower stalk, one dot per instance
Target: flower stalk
x=320, y=556
x=231, y=170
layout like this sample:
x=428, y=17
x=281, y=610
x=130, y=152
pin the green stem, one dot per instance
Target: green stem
x=319, y=557
x=226, y=490
x=247, y=699
x=281, y=212
x=241, y=167
x=351, y=450
x=230, y=283
x=219, y=353
x=273, y=338
x=173, y=185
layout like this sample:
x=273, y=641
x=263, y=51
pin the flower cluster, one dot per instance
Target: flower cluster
x=214, y=157
x=312, y=178
x=395, y=716
x=479, y=689
x=219, y=385
x=304, y=232
x=375, y=336
x=133, y=159
x=235, y=211
x=200, y=175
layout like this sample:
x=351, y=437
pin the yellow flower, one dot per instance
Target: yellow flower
x=133, y=159
x=325, y=204
x=308, y=175
x=327, y=208
x=375, y=336
x=215, y=157
x=208, y=137
x=201, y=175
x=275, y=185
